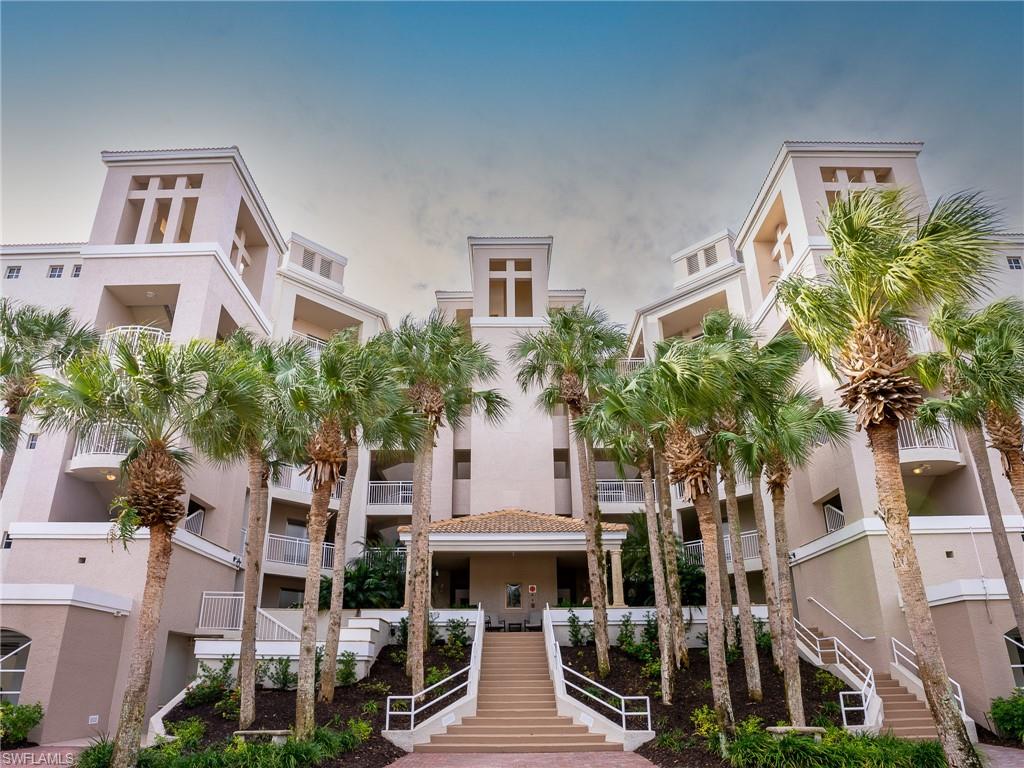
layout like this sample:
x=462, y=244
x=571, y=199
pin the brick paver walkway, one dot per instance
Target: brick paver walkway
x=524, y=760
x=1002, y=757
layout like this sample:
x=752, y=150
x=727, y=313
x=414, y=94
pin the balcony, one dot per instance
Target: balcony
x=834, y=518
x=297, y=487
x=743, y=488
x=134, y=335
x=312, y=343
x=928, y=451
x=630, y=365
x=98, y=454
x=693, y=551
x=291, y=550
x=389, y=497
x=921, y=340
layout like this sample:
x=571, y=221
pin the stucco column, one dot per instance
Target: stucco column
x=408, y=576
x=618, y=596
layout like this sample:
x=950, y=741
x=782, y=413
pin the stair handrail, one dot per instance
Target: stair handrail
x=560, y=669
x=414, y=702
x=833, y=615
x=275, y=631
x=902, y=651
x=1013, y=667
x=851, y=663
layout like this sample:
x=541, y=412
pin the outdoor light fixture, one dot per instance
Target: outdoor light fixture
x=150, y=294
x=919, y=469
x=111, y=476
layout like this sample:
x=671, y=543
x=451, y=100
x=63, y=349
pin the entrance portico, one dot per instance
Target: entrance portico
x=514, y=561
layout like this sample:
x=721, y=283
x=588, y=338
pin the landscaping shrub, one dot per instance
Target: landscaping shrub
x=458, y=638
x=212, y=684
x=627, y=633
x=436, y=675
x=705, y=725
x=346, y=674
x=1008, y=714
x=827, y=682
x=97, y=754
x=16, y=720
x=649, y=635
x=580, y=632
x=281, y=675
x=762, y=636
x=228, y=706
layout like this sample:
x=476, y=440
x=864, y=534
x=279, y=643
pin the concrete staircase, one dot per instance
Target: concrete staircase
x=904, y=714
x=516, y=706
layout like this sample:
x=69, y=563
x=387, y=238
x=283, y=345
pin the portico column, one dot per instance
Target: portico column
x=618, y=596
x=408, y=578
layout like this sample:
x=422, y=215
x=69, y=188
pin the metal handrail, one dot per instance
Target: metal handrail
x=911, y=435
x=560, y=669
x=294, y=550
x=389, y=492
x=471, y=670
x=830, y=613
x=850, y=661
x=749, y=546
x=1013, y=667
x=620, y=491
x=909, y=656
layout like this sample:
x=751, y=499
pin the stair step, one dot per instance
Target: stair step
x=903, y=706
x=516, y=713
x=473, y=729
x=525, y=720
x=540, y=687
x=517, y=746
x=487, y=739
x=906, y=719
x=913, y=733
x=887, y=697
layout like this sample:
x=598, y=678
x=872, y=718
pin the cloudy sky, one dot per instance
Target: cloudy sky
x=391, y=132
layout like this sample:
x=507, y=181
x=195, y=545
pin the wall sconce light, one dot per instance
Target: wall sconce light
x=111, y=476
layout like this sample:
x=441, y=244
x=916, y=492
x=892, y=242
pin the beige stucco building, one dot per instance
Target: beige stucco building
x=183, y=246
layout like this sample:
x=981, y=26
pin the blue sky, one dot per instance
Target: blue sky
x=390, y=132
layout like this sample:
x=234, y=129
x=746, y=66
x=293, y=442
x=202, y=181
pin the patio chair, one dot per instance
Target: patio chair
x=534, y=622
x=493, y=624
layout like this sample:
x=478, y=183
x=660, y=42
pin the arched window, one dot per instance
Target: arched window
x=14, y=648
x=1015, y=649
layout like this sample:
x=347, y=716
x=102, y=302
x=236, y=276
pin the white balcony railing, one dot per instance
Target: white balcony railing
x=921, y=341
x=385, y=555
x=620, y=491
x=693, y=551
x=834, y=518
x=392, y=492
x=290, y=479
x=295, y=551
x=194, y=523
x=222, y=612
x=134, y=334
x=628, y=365
x=102, y=439
x=313, y=344
x=911, y=435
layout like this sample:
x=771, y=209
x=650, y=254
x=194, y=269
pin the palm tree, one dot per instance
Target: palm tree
x=32, y=339
x=272, y=433
x=163, y=399
x=619, y=421
x=348, y=392
x=780, y=437
x=578, y=350
x=437, y=364
x=887, y=260
x=981, y=367
x=692, y=380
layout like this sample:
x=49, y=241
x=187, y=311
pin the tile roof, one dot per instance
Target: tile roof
x=513, y=521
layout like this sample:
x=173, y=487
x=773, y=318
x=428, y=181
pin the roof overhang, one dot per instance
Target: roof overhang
x=515, y=542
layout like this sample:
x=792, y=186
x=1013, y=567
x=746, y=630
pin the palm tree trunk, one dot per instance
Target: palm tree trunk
x=595, y=557
x=329, y=672
x=727, y=617
x=747, y=638
x=707, y=516
x=305, y=693
x=133, y=706
x=767, y=568
x=256, y=528
x=787, y=629
x=660, y=588
x=419, y=599
x=7, y=460
x=1015, y=474
x=979, y=452
x=932, y=669
x=671, y=559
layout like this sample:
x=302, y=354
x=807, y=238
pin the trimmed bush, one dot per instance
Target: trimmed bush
x=1008, y=714
x=212, y=684
x=16, y=720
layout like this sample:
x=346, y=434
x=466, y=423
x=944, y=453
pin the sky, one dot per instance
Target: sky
x=391, y=132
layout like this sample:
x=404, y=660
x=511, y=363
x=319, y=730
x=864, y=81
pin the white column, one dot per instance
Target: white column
x=618, y=596
x=174, y=215
x=148, y=211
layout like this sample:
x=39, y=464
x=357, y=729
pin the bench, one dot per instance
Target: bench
x=276, y=737
x=778, y=731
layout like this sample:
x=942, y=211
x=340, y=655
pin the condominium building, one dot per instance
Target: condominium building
x=183, y=246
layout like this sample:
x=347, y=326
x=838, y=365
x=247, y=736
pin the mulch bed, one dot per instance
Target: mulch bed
x=986, y=736
x=275, y=710
x=692, y=689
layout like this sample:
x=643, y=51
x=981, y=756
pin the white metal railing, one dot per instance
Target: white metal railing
x=583, y=684
x=414, y=704
x=832, y=650
x=905, y=656
x=102, y=439
x=856, y=634
x=222, y=611
x=1016, y=669
x=693, y=551
x=292, y=479
x=6, y=692
x=194, y=523
x=313, y=344
x=620, y=491
x=133, y=335
x=295, y=551
x=378, y=554
x=628, y=365
x=834, y=518
x=389, y=492
x=911, y=434
x=918, y=335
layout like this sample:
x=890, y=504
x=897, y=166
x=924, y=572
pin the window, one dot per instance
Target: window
x=513, y=595
x=76, y=271
x=6, y=542
x=296, y=529
x=32, y=441
x=462, y=462
x=56, y=270
x=16, y=649
x=1013, y=262
x=289, y=598
x=561, y=459
x=13, y=273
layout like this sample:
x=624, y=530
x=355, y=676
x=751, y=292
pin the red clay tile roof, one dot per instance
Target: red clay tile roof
x=513, y=521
